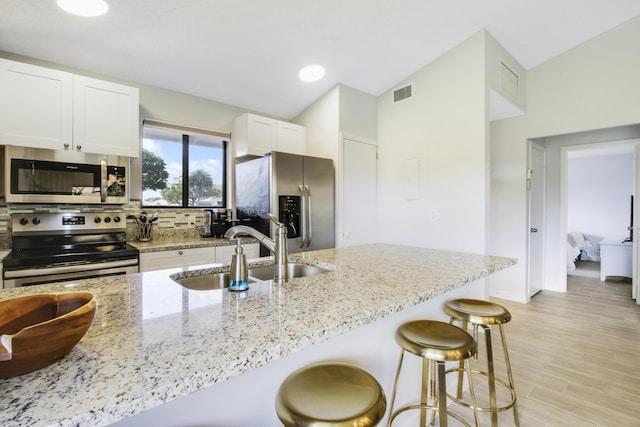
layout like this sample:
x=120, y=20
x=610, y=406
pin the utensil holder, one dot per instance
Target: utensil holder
x=144, y=232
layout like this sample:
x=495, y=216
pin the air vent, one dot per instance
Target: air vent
x=509, y=81
x=402, y=93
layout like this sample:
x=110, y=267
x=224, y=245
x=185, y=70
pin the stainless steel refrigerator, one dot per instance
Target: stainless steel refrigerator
x=298, y=190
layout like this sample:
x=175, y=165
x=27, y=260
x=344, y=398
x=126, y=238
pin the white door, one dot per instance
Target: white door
x=359, y=192
x=536, y=186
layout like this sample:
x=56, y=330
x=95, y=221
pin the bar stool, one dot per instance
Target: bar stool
x=484, y=314
x=330, y=395
x=436, y=343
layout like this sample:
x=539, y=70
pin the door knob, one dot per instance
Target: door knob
x=534, y=230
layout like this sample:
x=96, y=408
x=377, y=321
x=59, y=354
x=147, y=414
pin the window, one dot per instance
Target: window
x=182, y=167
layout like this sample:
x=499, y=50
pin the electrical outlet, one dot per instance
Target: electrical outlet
x=434, y=214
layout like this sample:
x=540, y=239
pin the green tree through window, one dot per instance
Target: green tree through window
x=171, y=158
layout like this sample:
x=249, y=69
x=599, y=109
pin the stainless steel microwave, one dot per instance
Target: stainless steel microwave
x=48, y=176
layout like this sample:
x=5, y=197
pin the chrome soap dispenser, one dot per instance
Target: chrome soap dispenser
x=238, y=276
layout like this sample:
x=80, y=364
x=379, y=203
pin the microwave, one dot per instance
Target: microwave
x=49, y=176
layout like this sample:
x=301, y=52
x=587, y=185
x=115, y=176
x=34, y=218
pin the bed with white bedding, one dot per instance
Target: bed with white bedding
x=580, y=247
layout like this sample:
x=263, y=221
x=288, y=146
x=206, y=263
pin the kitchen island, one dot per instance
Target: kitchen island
x=154, y=344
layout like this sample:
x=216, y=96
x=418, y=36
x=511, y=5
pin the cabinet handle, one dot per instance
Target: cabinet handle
x=79, y=147
x=180, y=253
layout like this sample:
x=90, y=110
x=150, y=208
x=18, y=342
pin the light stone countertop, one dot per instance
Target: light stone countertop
x=153, y=341
x=176, y=243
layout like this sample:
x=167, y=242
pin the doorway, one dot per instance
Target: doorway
x=599, y=182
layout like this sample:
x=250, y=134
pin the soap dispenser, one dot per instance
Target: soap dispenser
x=238, y=276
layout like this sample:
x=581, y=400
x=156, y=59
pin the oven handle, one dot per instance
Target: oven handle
x=11, y=274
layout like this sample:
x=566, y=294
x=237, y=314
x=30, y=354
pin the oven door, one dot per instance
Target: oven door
x=37, y=276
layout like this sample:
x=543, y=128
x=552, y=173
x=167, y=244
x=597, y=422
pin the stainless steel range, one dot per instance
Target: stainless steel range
x=56, y=247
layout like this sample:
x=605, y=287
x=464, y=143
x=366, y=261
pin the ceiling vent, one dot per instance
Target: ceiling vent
x=402, y=93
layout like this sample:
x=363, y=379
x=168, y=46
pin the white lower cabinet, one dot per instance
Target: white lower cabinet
x=223, y=253
x=151, y=261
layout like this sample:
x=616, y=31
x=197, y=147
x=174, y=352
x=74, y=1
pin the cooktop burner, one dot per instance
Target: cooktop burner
x=67, y=238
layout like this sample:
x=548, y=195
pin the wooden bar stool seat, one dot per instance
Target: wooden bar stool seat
x=436, y=343
x=330, y=395
x=484, y=314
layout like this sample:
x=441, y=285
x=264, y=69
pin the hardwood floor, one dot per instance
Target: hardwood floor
x=575, y=355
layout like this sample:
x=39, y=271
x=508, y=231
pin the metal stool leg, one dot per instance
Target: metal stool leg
x=395, y=389
x=424, y=392
x=442, y=394
x=510, y=375
x=472, y=391
x=433, y=389
x=493, y=403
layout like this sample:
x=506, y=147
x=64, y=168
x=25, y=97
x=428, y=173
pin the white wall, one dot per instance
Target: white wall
x=598, y=195
x=593, y=86
x=358, y=113
x=322, y=122
x=341, y=111
x=432, y=155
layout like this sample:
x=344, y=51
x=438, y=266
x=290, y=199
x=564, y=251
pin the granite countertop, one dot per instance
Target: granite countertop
x=183, y=243
x=153, y=341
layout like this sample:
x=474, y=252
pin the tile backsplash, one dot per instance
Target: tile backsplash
x=172, y=223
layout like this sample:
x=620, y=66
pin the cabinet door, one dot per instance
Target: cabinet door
x=36, y=106
x=254, y=135
x=223, y=253
x=251, y=250
x=290, y=138
x=151, y=261
x=106, y=117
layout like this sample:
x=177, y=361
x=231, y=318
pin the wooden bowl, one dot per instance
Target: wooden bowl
x=36, y=330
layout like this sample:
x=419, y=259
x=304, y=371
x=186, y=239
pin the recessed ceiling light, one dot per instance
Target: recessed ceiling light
x=311, y=73
x=84, y=7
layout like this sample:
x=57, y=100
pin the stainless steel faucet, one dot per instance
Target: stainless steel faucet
x=277, y=245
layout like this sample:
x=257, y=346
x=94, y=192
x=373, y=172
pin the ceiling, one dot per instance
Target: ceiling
x=247, y=53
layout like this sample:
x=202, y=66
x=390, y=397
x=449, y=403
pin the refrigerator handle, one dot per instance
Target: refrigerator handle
x=309, y=226
x=303, y=215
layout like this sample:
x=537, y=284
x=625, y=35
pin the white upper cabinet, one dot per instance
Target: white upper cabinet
x=257, y=135
x=36, y=106
x=290, y=138
x=105, y=117
x=45, y=108
x=254, y=135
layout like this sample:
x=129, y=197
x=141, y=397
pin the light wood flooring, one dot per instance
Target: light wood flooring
x=575, y=355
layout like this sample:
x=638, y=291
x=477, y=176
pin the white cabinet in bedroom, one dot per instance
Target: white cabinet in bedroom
x=616, y=259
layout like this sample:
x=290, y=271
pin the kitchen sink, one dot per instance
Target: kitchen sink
x=220, y=280
x=205, y=282
x=294, y=270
